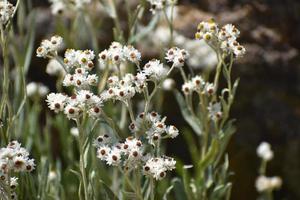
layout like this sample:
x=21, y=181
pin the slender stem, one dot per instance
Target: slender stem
x=205, y=124
x=152, y=184
x=138, y=184
x=183, y=74
x=119, y=33
x=61, y=63
x=80, y=126
x=5, y=103
x=170, y=23
x=218, y=71
x=130, y=110
x=149, y=97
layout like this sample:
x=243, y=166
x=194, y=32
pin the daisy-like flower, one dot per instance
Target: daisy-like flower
x=198, y=83
x=157, y=167
x=132, y=54
x=155, y=70
x=172, y=131
x=15, y=158
x=188, y=88
x=6, y=12
x=117, y=54
x=207, y=30
x=177, y=56
x=114, y=157
x=214, y=111
x=56, y=102
x=49, y=48
x=72, y=111
x=209, y=88
x=102, y=152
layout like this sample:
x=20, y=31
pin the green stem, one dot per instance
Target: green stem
x=217, y=76
x=152, y=184
x=138, y=184
x=80, y=126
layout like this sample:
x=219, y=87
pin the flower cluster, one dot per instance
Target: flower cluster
x=264, y=151
x=6, y=12
x=60, y=6
x=78, y=64
x=123, y=89
x=118, y=53
x=157, y=167
x=264, y=183
x=83, y=101
x=49, y=48
x=215, y=111
x=128, y=154
x=131, y=154
x=158, y=5
x=153, y=126
x=13, y=159
x=177, y=56
x=198, y=85
x=224, y=39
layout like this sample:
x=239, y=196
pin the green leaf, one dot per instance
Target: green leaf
x=110, y=194
x=167, y=192
x=179, y=189
x=145, y=30
x=221, y=191
x=210, y=155
x=224, y=137
x=235, y=85
x=194, y=123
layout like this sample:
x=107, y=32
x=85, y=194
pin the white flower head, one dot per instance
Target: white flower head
x=168, y=84
x=114, y=157
x=49, y=48
x=177, y=56
x=74, y=131
x=132, y=54
x=264, y=151
x=172, y=131
x=6, y=12
x=56, y=102
x=188, y=88
x=215, y=111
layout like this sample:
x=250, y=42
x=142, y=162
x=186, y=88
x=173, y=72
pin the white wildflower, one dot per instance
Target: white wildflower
x=264, y=151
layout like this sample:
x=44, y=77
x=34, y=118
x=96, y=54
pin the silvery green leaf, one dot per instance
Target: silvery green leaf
x=235, y=85
x=224, y=137
x=167, y=192
x=194, y=123
x=144, y=30
x=186, y=184
x=210, y=155
x=179, y=189
x=221, y=191
x=225, y=72
x=109, y=193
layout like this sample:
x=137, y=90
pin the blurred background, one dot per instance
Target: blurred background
x=267, y=106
